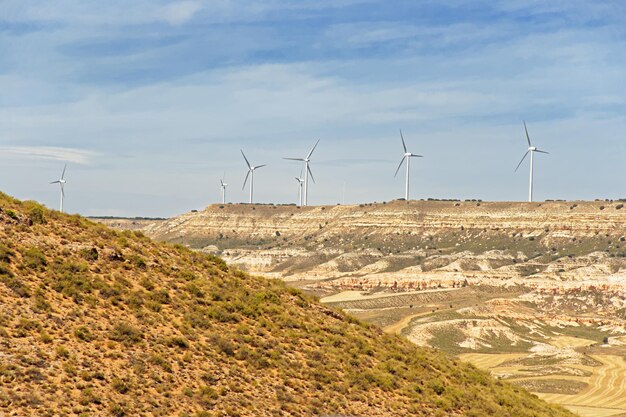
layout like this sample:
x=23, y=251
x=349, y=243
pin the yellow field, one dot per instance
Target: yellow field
x=568, y=341
x=605, y=396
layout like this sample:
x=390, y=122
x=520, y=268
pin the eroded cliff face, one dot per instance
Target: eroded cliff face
x=414, y=244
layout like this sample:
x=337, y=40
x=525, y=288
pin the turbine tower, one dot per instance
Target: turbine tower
x=61, y=182
x=407, y=156
x=223, y=186
x=300, y=183
x=531, y=150
x=250, y=174
x=307, y=172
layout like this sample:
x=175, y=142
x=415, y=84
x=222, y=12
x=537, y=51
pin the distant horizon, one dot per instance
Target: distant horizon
x=149, y=103
x=362, y=204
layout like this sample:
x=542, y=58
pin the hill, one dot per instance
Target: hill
x=98, y=322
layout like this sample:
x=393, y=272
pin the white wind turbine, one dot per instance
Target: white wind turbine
x=61, y=182
x=307, y=172
x=531, y=150
x=251, y=175
x=300, y=183
x=407, y=156
x=223, y=186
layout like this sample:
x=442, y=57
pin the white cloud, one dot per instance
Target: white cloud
x=180, y=12
x=77, y=156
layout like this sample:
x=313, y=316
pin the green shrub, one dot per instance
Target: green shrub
x=121, y=385
x=138, y=261
x=83, y=333
x=194, y=290
x=6, y=253
x=36, y=215
x=187, y=276
x=178, y=341
x=14, y=283
x=126, y=333
x=147, y=283
x=62, y=352
x=35, y=259
x=89, y=254
x=117, y=410
x=160, y=361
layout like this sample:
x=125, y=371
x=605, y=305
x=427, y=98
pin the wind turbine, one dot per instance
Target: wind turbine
x=407, y=156
x=531, y=150
x=307, y=172
x=61, y=182
x=251, y=175
x=300, y=182
x=223, y=186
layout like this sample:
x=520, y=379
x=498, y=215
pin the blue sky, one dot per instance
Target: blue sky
x=149, y=102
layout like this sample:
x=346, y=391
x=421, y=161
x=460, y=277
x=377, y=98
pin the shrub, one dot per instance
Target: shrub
x=36, y=216
x=138, y=261
x=147, y=283
x=117, y=410
x=14, y=283
x=222, y=344
x=160, y=361
x=219, y=262
x=194, y=290
x=121, y=385
x=5, y=253
x=62, y=352
x=161, y=296
x=83, y=333
x=89, y=254
x=178, y=341
x=187, y=276
x=126, y=333
x=34, y=258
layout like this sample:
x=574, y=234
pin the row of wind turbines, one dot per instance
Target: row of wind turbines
x=303, y=183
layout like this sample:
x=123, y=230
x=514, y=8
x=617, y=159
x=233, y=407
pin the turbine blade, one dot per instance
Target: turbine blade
x=540, y=151
x=520, y=162
x=63, y=174
x=246, y=180
x=295, y=159
x=416, y=156
x=403, y=144
x=311, y=174
x=244, y=157
x=259, y=166
x=527, y=137
x=401, y=162
x=312, y=149
x=55, y=182
x=62, y=191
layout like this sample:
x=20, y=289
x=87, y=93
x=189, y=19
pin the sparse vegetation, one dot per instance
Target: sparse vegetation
x=151, y=329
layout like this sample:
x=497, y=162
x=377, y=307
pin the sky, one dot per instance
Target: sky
x=149, y=102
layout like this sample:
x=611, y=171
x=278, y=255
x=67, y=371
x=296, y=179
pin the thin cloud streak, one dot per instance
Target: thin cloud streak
x=77, y=156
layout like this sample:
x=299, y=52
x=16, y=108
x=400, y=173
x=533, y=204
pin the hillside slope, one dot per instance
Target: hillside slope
x=96, y=322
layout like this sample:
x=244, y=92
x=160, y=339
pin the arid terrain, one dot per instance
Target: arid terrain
x=535, y=293
x=98, y=322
